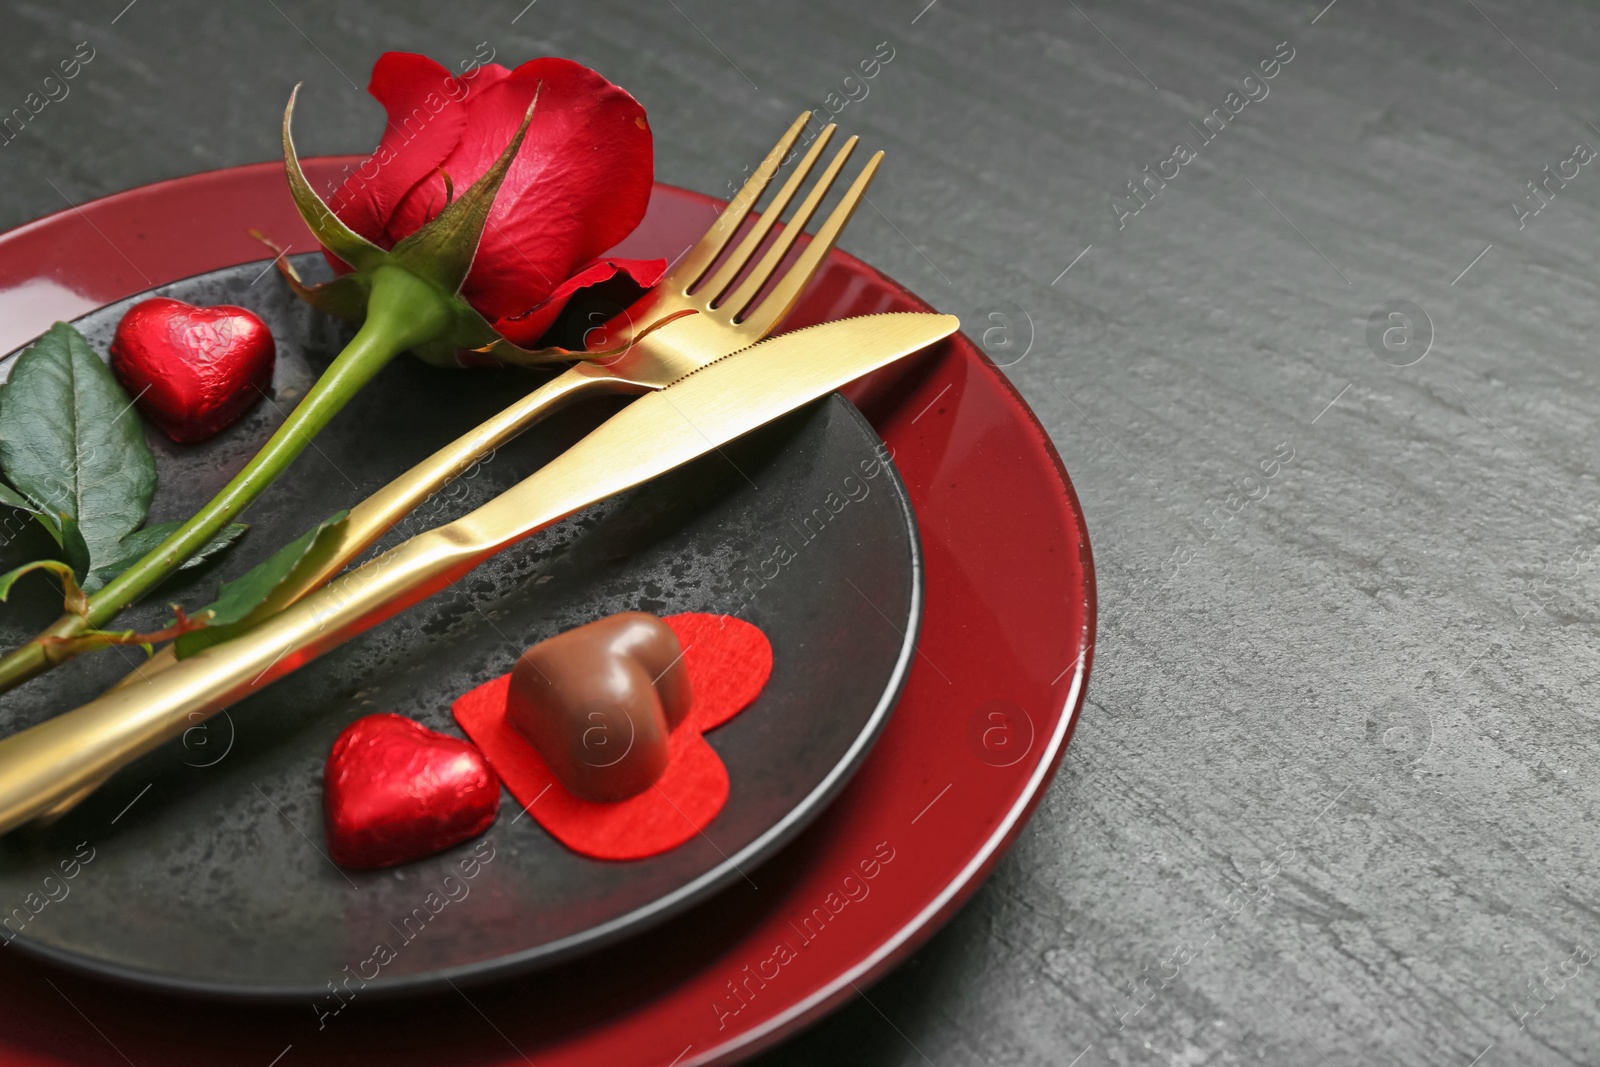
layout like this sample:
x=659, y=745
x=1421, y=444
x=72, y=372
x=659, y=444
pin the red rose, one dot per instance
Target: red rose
x=579, y=185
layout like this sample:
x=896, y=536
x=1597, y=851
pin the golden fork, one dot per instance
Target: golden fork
x=726, y=319
x=63, y=757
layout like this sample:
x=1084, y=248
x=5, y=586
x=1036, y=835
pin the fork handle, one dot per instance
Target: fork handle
x=379, y=513
x=48, y=765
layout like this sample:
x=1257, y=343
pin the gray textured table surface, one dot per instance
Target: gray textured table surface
x=1330, y=801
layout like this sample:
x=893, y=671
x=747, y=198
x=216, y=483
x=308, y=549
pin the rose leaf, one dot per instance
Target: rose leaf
x=142, y=542
x=264, y=589
x=71, y=444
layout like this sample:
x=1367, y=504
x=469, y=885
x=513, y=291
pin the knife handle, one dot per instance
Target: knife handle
x=66, y=756
x=379, y=513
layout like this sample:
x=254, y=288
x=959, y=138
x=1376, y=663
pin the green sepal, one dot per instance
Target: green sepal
x=345, y=297
x=442, y=251
x=327, y=227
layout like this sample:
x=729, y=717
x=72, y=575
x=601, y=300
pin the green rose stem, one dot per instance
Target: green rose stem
x=403, y=312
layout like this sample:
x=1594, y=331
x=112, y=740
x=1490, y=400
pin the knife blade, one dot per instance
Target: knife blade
x=67, y=755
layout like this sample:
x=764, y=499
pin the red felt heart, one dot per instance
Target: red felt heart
x=395, y=791
x=192, y=371
x=728, y=661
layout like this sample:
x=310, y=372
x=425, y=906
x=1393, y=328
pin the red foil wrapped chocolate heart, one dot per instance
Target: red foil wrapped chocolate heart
x=191, y=370
x=395, y=791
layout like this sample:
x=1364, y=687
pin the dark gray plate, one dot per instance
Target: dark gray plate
x=208, y=873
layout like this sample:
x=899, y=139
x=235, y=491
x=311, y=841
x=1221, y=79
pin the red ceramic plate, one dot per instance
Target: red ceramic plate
x=1003, y=660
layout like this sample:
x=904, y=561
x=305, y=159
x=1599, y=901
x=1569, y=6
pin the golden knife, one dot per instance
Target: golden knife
x=61, y=757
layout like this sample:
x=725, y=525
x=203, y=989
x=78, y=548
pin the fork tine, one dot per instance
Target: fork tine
x=763, y=271
x=710, y=246
x=787, y=291
x=729, y=271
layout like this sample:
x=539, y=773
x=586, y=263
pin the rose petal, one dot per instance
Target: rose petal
x=486, y=75
x=528, y=327
x=426, y=115
x=579, y=185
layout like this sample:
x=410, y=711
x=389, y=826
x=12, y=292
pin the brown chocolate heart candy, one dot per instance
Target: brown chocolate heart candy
x=597, y=702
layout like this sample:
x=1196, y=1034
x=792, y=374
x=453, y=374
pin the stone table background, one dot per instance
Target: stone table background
x=1331, y=799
